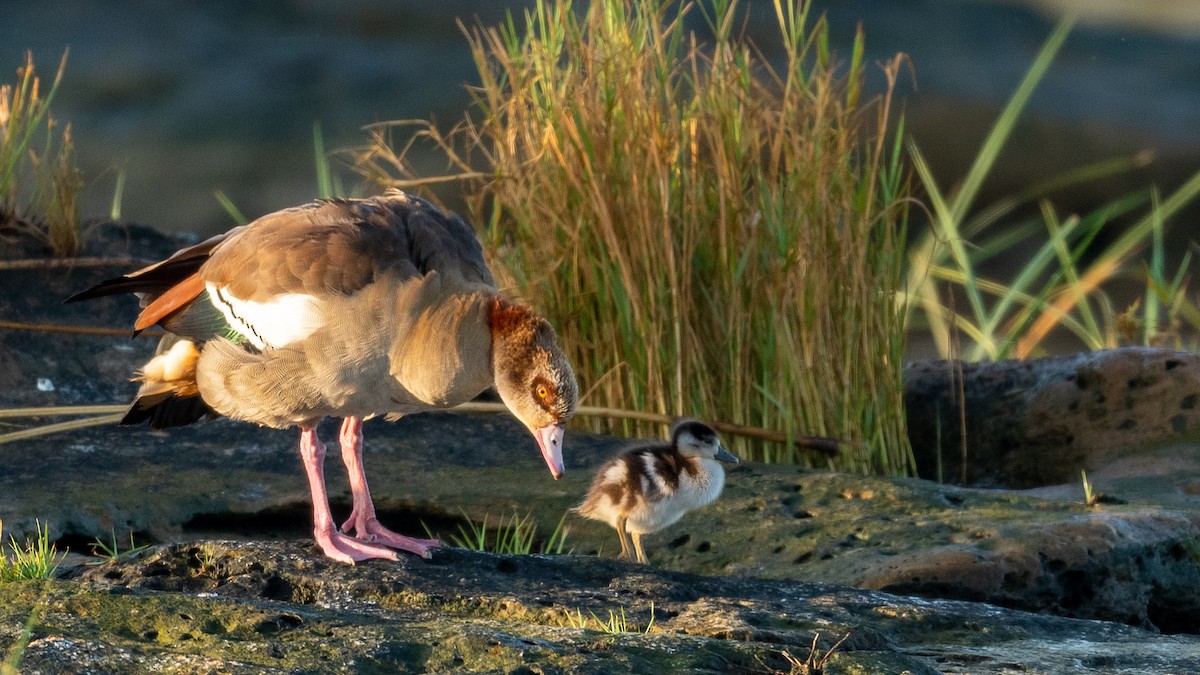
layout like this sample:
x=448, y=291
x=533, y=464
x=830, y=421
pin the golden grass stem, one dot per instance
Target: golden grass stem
x=113, y=413
x=1133, y=240
x=1050, y=291
x=58, y=263
x=48, y=429
x=62, y=410
x=79, y=330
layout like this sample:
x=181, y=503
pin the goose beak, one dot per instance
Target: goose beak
x=550, y=440
x=726, y=456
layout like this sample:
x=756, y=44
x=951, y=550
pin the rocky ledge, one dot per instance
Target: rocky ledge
x=251, y=607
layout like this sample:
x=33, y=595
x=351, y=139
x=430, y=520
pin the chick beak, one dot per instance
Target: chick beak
x=726, y=456
x=550, y=440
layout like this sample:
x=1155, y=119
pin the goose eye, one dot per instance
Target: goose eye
x=542, y=391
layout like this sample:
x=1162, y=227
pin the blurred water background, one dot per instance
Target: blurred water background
x=190, y=98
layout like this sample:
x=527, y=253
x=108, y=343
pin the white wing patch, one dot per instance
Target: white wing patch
x=275, y=323
x=654, y=484
x=614, y=473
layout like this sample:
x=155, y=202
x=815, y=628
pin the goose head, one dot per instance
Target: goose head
x=698, y=439
x=533, y=377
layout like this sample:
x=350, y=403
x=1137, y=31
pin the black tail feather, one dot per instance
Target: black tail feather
x=151, y=281
x=156, y=278
x=167, y=410
x=118, y=286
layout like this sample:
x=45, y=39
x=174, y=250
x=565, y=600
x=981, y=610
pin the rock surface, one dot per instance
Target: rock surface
x=237, y=607
x=1032, y=423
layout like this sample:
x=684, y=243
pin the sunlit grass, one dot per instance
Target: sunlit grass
x=1054, y=288
x=35, y=559
x=711, y=234
x=616, y=622
x=1090, y=496
x=39, y=182
x=815, y=662
x=110, y=551
x=718, y=236
x=515, y=535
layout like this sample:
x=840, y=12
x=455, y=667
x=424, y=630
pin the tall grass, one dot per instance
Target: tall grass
x=39, y=182
x=1055, y=289
x=712, y=234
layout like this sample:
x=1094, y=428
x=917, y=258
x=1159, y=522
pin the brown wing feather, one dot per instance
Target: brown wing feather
x=340, y=246
x=334, y=246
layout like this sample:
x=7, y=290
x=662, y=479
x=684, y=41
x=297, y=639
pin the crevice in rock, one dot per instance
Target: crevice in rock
x=294, y=521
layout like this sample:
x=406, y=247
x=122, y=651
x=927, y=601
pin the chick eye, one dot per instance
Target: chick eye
x=542, y=391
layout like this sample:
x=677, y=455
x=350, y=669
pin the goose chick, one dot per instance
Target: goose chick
x=648, y=488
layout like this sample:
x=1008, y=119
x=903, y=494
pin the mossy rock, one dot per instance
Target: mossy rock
x=225, y=606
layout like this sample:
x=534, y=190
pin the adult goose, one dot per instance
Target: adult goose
x=343, y=308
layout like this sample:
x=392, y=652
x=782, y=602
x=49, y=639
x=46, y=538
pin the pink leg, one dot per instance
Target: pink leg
x=335, y=545
x=362, y=519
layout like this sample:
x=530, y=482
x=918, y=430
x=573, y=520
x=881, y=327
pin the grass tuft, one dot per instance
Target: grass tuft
x=815, y=661
x=515, y=535
x=110, y=551
x=36, y=559
x=1090, y=496
x=39, y=182
x=207, y=561
x=712, y=233
x=616, y=622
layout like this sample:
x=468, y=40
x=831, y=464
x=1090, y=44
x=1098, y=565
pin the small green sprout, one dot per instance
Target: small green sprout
x=1090, y=496
x=110, y=551
x=37, y=559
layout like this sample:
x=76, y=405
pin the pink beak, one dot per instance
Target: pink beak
x=550, y=440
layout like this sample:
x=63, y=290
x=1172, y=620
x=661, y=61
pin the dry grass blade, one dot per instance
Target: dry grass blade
x=1106, y=265
x=816, y=661
x=48, y=429
x=77, y=330
x=110, y=413
x=1051, y=290
x=61, y=410
x=55, y=263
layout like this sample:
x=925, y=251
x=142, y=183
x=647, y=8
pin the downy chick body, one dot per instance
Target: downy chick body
x=648, y=488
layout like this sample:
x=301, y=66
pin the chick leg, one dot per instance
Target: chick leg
x=362, y=518
x=624, y=539
x=637, y=546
